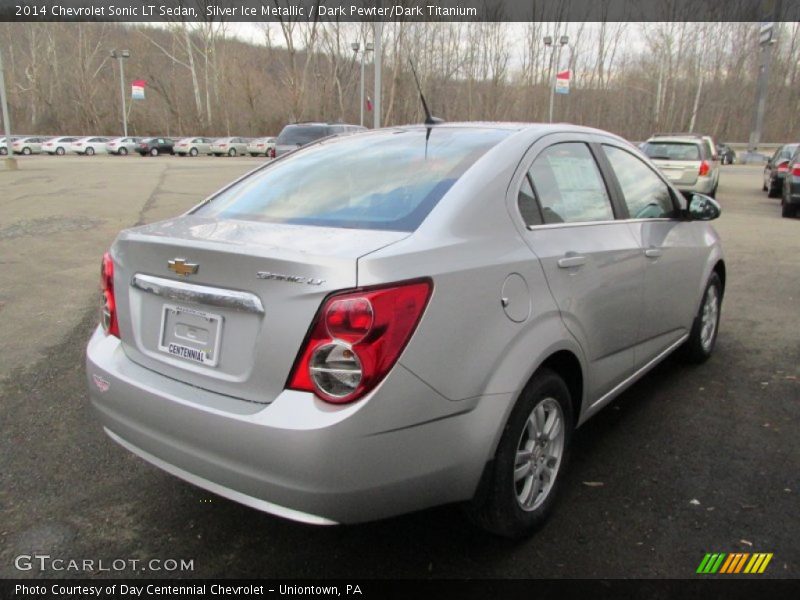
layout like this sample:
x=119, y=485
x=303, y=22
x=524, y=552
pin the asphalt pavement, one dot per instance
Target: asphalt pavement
x=690, y=460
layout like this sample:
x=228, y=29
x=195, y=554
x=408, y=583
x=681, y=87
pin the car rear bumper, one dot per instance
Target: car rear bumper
x=703, y=185
x=401, y=449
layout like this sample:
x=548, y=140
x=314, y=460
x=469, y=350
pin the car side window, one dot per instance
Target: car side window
x=646, y=196
x=528, y=207
x=568, y=185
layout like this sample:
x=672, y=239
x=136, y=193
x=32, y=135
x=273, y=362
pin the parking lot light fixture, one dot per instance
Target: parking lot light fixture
x=122, y=55
x=367, y=48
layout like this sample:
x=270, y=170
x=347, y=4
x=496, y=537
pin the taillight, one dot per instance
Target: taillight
x=796, y=169
x=356, y=339
x=783, y=167
x=109, y=313
x=223, y=145
x=704, y=168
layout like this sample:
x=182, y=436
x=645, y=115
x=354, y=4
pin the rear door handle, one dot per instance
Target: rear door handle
x=653, y=252
x=571, y=261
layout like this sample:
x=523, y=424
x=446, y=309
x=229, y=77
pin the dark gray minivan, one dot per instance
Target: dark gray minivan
x=296, y=135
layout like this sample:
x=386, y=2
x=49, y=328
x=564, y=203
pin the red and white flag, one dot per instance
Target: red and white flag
x=137, y=89
x=562, y=82
x=369, y=104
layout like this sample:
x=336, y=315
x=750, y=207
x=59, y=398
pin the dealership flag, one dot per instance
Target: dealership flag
x=137, y=89
x=369, y=104
x=562, y=82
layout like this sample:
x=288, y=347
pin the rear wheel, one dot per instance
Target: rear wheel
x=26, y=151
x=772, y=189
x=232, y=152
x=89, y=151
x=193, y=152
x=60, y=151
x=122, y=151
x=787, y=210
x=518, y=490
x=153, y=151
x=703, y=337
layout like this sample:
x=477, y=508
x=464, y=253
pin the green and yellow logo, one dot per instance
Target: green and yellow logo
x=736, y=562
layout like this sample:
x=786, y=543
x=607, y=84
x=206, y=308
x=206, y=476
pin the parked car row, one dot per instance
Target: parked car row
x=292, y=136
x=152, y=146
x=782, y=178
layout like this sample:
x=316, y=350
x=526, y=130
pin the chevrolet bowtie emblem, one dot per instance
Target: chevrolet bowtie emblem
x=181, y=267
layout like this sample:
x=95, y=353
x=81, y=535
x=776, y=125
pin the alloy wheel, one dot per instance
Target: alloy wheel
x=539, y=453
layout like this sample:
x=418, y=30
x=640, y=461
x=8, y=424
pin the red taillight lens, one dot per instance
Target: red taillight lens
x=796, y=169
x=109, y=314
x=705, y=168
x=356, y=339
x=782, y=168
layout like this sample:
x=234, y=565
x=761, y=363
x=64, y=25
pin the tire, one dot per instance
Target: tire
x=26, y=151
x=713, y=193
x=763, y=184
x=89, y=151
x=514, y=499
x=60, y=151
x=772, y=191
x=153, y=151
x=123, y=152
x=3, y=151
x=703, y=337
x=232, y=152
x=193, y=152
x=787, y=211
x=254, y=154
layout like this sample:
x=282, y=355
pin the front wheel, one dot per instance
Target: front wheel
x=518, y=491
x=60, y=151
x=787, y=211
x=772, y=189
x=26, y=151
x=193, y=152
x=154, y=152
x=90, y=151
x=232, y=152
x=123, y=151
x=703, y=337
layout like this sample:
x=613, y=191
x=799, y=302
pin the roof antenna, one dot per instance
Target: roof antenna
x=429, y=118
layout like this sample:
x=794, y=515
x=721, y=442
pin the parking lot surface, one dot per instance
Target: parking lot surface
x=690, y=460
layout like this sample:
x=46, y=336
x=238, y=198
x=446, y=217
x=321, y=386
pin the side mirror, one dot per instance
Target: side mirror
x=703, y=208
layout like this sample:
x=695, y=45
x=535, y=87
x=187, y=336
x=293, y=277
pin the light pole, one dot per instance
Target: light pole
x=548, y=42
x=120, y=56
x=377, y=36
x=367, y=48
x=11, y=162
x=766, y=41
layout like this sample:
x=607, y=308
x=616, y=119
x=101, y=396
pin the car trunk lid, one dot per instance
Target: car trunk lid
x=679, y=172
x=234, y=322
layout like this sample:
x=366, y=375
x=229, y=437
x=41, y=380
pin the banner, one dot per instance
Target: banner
x=562, y=82
x=137, y=89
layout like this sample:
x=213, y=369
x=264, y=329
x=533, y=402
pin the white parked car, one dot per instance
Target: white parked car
x=57, y=145
x=89, y=146
x=261, y=146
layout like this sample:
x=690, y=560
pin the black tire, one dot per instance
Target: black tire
x=193, y=152
x=26, y=151
x=787, y=210
x=763, y=184
x=3, y=151
x=122, y=151
x=693, y=349
x=496, y=507
x=713, y=193
x=773, y=191
x=89, y=151
x=60, y=151
x=232, y=152
x=254, y=154
x=153, y=151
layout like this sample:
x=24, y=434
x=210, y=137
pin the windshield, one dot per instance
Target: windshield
x=387, y=180
x=672, y=151
x=300, y=135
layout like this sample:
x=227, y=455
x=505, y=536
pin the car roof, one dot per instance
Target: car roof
x=683, y=139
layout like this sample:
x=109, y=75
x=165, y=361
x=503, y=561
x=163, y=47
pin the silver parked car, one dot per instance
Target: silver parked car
x=89, y=146
x=57, y=145
x=28, y=145
x=122, y=146
x=229, y=146
x=192, y=146
x=687, y=161
x=388, y=321
x=261, y=146
x=297, y=135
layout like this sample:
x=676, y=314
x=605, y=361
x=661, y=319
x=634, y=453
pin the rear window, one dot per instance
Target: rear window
x=787, y=151
x=293, y=135
x=389, y=180
x=672, y=151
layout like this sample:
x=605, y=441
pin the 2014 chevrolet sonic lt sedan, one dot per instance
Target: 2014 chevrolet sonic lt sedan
x=402, y=318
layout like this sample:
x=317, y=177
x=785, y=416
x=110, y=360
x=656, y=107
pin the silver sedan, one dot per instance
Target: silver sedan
x=229, y=146
x=403, y=318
